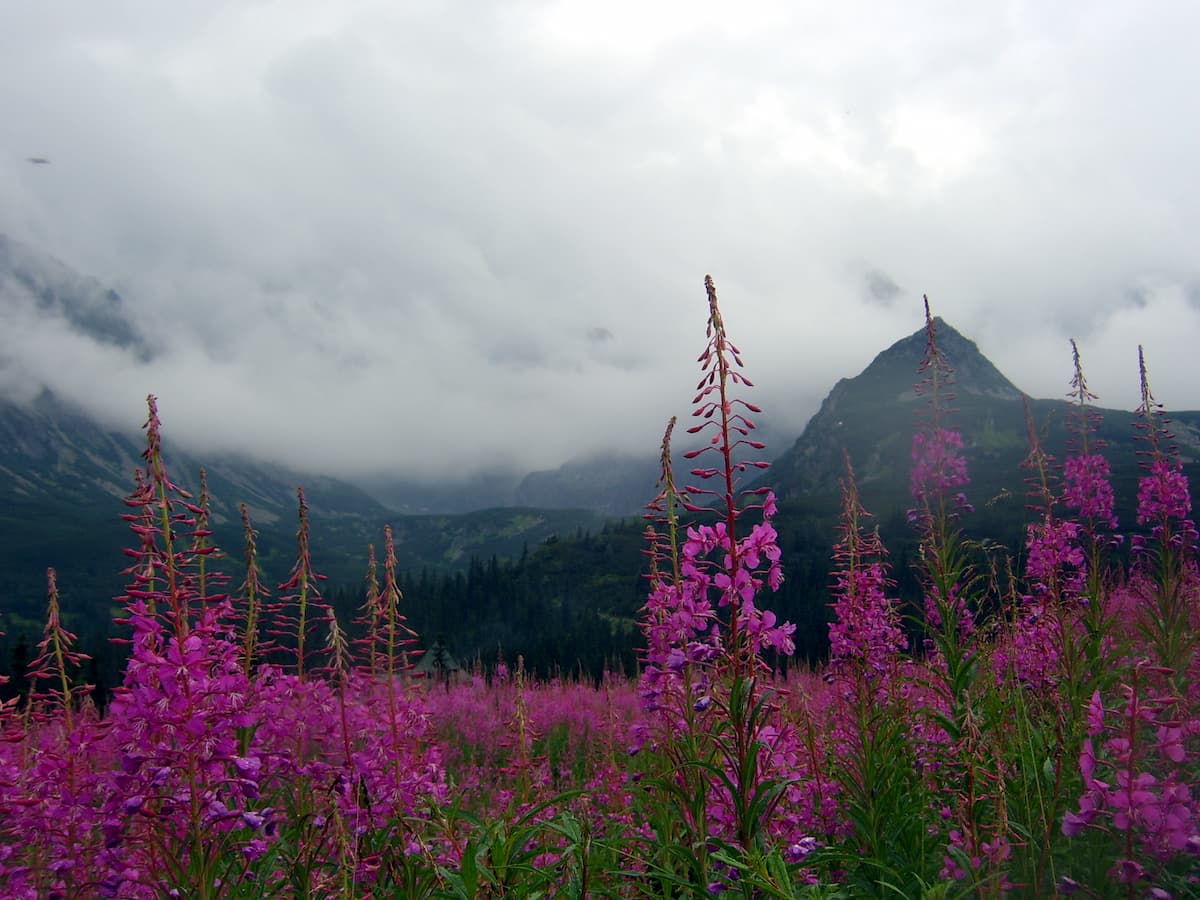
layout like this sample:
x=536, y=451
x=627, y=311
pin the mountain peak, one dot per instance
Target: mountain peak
x=881, y=400
x=974, y=373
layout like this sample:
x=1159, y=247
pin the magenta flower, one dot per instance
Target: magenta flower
x=937, y=466
x=1087, y=489
x=867, y=626
x=1163, y=493
x=1055, y=558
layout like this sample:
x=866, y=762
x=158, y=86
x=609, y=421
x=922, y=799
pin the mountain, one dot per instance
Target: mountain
x=486, y=490
x=614, y=485
x=874, y=415
x=610, y=485
x=51, y=452
x=63, y=478
x=618, y=485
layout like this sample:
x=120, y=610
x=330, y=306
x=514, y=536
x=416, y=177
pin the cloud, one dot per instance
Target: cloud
x=366, y=237
x=880, y=288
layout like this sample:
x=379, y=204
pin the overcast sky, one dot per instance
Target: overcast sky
x=426, y=236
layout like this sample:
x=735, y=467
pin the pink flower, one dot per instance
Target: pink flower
x=937, y=464
x=1087, y=488
x=1163, y=493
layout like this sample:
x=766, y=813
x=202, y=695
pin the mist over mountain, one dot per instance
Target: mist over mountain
x=34, y=284
x=412, y=496
x=53, y=451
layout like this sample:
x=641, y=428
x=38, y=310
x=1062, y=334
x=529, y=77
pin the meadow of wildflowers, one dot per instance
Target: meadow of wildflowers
x=1032, y=729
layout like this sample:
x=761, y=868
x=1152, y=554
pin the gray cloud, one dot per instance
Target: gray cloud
x=880, y=287
x=366, y=236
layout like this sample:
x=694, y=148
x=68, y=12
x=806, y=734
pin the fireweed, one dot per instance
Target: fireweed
x=919, y=770
x=1054, y=563
x=205, y=762
x=1039, y=737
x=865, y=638
x=883, y=802
x=58, y=770
x=948, y=742
x=1140, y=758
x=711, y=714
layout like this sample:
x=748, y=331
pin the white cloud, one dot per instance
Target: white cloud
x=374, y=235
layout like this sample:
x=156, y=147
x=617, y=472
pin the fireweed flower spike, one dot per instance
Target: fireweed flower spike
x=56, y=659
x=678, y=614
x=938, y=471
x=1086, y=486
x=1087, y=493
x=254, y=593
x=176, y=718
x=202, y=545
x=1054, y=577
x=952, y=590
x=1164, y=502
x=293, y=609
x=1165, y=564
x=742, y=564
x=700, y=690
x=866, y=634
x=164, y=572
x=62, y=781
x=938, y=465
x=370, y=617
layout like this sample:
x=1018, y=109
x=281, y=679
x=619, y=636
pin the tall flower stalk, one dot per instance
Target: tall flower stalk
x=1165, y=558
x=371, y=617
x=56, y=659
x=1089, y=636
x=165, y=570
x=703, y=688
x=254, y=594
x=1087, y=494
x=866, y=636
x=298, y=613
x=727, y=429
x=181, y=706
x=1039, y=651
x=874, y=752
x=960, y=755
x=202, y=545
x=397, y=638
x=939, y=471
